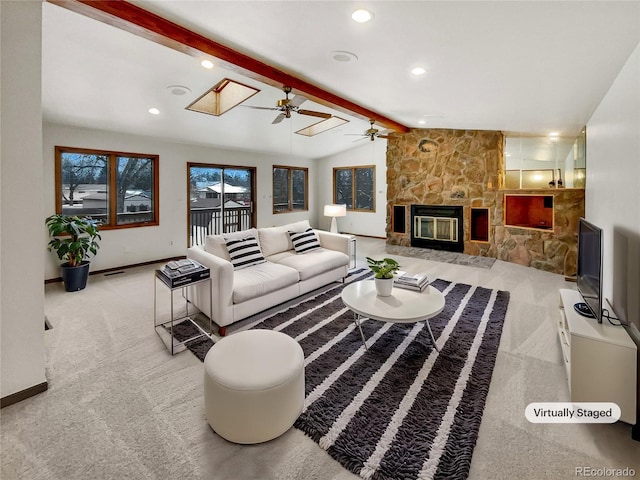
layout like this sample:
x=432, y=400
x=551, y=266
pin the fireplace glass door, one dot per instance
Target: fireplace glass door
x=443, y=229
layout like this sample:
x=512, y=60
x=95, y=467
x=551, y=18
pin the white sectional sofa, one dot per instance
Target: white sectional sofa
x=238, y=293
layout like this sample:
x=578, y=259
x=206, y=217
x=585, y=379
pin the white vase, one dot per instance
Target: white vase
x=384, y=286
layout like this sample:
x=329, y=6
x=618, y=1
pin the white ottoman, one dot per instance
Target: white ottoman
x=253, y=385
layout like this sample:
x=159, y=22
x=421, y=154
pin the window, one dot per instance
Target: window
x=117, y=189
x=355, y=187
x=290, y=185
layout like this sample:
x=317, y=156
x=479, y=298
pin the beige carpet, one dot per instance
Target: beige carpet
x=120, y=407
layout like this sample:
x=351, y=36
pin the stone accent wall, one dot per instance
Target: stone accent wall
x=555, y=251
x=465, y=167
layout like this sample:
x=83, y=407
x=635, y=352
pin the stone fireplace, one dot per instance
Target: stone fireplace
x=440, y=227
x=463, y=170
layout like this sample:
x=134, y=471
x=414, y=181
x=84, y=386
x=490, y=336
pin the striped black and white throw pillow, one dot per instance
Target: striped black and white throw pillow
x=244, y=252
x=304, y=242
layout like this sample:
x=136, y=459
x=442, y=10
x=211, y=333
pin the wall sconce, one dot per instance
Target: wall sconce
x=335, y=211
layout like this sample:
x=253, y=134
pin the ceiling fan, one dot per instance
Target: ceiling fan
x=372, y=133
x=287, y=105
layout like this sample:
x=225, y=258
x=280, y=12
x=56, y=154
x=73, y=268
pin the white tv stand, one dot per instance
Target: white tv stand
x=600, y=358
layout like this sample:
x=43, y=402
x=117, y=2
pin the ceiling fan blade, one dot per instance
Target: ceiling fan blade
x=358, y=134
x=383, y=136
x=357, y=140
x=278, y=119
x=314, y=114
x=297, y=100
x=260, y=108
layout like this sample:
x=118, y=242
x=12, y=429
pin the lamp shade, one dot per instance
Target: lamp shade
x=335, y=210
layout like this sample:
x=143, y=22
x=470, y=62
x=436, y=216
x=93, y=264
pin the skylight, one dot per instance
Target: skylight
x=222, y=97
x=322, y=126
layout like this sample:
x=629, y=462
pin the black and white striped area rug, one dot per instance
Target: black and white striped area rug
x=399, y=410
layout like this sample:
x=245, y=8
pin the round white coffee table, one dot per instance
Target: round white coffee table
x=403, y=306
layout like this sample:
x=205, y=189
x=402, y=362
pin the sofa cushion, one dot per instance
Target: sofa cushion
x=244, y=252
x=216, y=244
x=261, y=279
x=304, y=242
x=312, y=263
x=276, y=239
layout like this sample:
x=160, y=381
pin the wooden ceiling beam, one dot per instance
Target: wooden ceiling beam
x=129, y=17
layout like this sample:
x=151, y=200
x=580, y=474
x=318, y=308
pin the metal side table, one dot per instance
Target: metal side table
x=165, y=329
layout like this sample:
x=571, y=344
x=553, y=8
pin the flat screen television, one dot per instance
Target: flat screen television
x=589, y=276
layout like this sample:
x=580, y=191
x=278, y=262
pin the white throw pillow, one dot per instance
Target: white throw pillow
x=244, y=252
x=306, y=241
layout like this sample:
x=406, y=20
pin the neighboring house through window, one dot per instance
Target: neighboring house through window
x=117, y=189
x=355, y=187
x=290, y=189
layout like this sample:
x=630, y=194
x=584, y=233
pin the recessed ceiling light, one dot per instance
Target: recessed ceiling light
x=422, y=122
x=418, y=71
x=207, y=64
x=554, y=134
x=362, y=16
x=154, y=111
x=344, y=56
x=178, y=90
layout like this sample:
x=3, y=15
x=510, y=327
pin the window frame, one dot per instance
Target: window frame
x=354, y=189
x=112, y=183
x=290, y=170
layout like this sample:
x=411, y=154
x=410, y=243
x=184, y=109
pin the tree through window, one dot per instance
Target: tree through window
x=355, y=187
x=117, y=189
x=290, y=185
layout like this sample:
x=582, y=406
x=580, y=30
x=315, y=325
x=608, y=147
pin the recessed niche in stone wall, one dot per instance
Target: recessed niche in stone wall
x=399, y=218
x=479, y=225
x=529, y=211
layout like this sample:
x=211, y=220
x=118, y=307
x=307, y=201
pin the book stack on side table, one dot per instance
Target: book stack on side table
x=182, y=272
x=411, y=281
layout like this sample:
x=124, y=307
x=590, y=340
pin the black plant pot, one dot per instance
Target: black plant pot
x=75, y=278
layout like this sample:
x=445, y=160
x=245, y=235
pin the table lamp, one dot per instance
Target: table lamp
x=334, y=211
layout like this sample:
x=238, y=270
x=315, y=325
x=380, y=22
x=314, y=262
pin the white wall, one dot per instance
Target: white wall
x=169, y=239
x=22, y=240
x=359, y=223
x=613, y=186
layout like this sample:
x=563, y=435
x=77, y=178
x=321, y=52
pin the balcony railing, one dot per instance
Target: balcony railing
x=211, y=221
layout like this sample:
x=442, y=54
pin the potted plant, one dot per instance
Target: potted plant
x=383, y=272
x=73, y=239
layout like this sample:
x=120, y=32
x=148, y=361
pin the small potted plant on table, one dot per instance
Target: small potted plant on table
x=73, y=239
x=383, y=272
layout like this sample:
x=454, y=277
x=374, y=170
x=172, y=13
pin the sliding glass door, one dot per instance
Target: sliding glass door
x=221, y=200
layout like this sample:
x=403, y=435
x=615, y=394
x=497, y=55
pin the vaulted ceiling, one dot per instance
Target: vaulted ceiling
x=530, y=67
